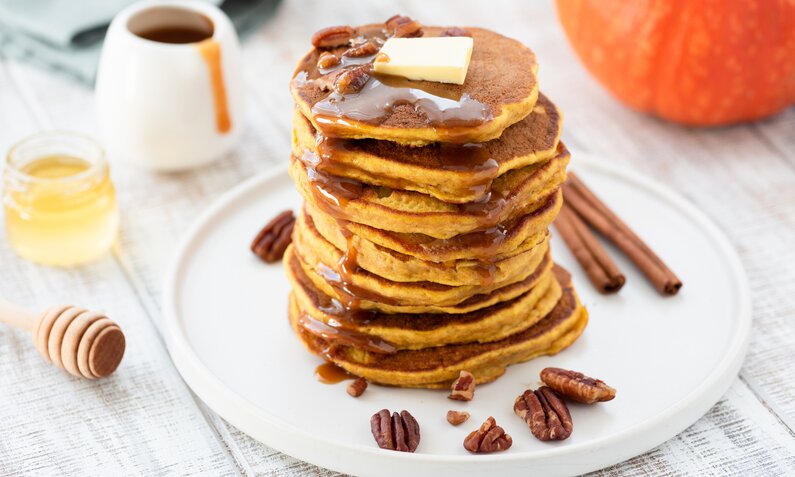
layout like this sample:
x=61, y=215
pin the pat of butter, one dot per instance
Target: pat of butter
x=442, y=59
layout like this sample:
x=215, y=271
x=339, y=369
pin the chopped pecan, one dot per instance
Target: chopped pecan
x=488, y=438
x=399, y=26
x=399, y=432
x=455, y=31
x=357, y=387
x=545, y=414
x=271, y=242
x=326, y=82
x=457, y=417
x=365, y=49
x=352, y=80
x=359, y=40
x=332, y=37
x=463, y=388
x=327, y=60
x=577, y=386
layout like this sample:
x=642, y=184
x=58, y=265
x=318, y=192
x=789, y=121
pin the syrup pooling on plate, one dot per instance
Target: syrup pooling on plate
x=330, y=373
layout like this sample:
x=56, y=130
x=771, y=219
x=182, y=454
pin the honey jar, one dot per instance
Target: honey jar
x=59, y=202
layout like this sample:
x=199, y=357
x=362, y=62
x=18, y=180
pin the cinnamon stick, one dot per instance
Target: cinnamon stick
x=600, y=268
x=588, y=206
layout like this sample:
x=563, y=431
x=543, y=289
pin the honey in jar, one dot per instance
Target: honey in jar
x=60, y=205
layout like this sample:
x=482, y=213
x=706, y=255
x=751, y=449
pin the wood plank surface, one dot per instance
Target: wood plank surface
x=146, y=421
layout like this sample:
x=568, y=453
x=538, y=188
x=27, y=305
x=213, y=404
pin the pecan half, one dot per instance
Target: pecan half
x=577, y=386
x=398, y=432
x=271, y=242
x=327, y=60
x=463, y=388
x=455, y=31
x=545, y=414
x=488, y=438
x=457, y=417
x=333, y=36
x=357, y=387
x=399, y=26
x=352, y=80
x=365, y=49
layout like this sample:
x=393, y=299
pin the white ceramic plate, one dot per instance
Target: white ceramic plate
x=671, y=358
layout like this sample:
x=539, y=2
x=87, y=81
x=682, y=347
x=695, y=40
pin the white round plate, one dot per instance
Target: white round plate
x=670, y=358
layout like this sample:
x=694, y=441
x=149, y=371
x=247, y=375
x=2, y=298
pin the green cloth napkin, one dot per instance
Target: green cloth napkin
x=66, y=36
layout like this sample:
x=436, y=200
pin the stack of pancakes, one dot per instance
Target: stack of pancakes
x=422, y=248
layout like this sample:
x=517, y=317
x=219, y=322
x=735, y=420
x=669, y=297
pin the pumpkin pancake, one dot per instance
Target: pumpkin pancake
x=513, y=194
x=500, y=89
x=332, y=277
x=371, y=292
x=506, y=239
x=449, y=172
x=437, y=367
x=422, y=330
x=398, y=267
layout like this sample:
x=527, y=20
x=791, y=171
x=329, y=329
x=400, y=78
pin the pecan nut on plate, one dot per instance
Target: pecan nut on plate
x=457, y=417
x=271, y=242
x=357, y=387
x=577, y=386
x=398, y=432
x=545, y=413
x=463, y=388
x=488, y=438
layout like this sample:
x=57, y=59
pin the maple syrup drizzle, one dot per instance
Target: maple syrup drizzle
x=336, y=333
x=330, y=373
x=346, y=61
x=472, y=158
x=378, y=98
x=351, y=295
x=333, y=193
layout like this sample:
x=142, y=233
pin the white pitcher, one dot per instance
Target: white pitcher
x=169, y=88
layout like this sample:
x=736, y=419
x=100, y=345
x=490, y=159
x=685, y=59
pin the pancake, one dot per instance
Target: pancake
x=506, y=239
x=448, y=172
x=374, y=299
x=422, y=330
x=437, y=367
x=398, y=267
x=374, y=291
x=512, y=194
x=500, y=89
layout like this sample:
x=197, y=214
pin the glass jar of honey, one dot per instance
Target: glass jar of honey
x=60, y=204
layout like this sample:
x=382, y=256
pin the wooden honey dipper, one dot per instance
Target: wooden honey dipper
x=85, y=343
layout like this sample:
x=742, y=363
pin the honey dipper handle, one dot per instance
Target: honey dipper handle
x=17, y=316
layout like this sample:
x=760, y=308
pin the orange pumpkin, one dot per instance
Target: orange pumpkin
x=697, y=62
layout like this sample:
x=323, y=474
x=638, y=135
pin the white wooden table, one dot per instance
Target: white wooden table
x=144, y=420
